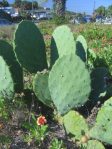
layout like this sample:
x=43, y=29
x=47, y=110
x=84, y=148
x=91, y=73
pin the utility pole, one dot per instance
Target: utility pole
x=94, y=6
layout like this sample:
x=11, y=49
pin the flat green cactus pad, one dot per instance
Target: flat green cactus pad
x=98, y=83
x=69, y=83
x=6, y=51
x=30, y=47
x=6, y=81
x=91, y=57
x=75, y=124
x=103, y=127
x=62, y=43
x=40, y=87
x=93, y=144
x=81, y=47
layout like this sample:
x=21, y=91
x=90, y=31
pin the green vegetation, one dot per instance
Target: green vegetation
x=60, y=73
x=76, y=125
x=56, y=144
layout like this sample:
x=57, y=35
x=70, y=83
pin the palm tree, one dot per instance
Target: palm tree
x=59, y=7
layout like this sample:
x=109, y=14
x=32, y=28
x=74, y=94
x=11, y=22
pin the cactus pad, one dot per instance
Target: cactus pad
x=6, y=81
x=103, y=127
x=6, y=51
x=81, y=47
x=62, y=43
x=93, y=144
x=40, y=87
x=91, y=57
x=30, y=47
x=98, y=83
x=75, y=124
x=69, y=83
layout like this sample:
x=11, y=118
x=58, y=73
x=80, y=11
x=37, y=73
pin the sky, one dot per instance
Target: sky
x=80, y=5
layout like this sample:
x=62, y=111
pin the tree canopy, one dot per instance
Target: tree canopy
x=102, y=10
x=4, y=3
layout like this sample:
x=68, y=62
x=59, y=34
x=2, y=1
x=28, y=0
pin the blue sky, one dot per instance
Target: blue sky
x=80, y=5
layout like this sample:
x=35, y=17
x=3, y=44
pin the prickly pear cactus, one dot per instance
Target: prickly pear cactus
x=69, y=83
x=92, y=144
x=40, y=87
x=6, y=51
x=81, y=48
x=91, y=57
x=109, y=91
x=75, y=124
x=6, y=81
x=30, y=47
x=62, y=43
x=98, y=83
x=103, y=126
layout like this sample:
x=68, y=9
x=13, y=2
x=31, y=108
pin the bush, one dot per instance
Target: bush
x=104, y=58
x=60, y=20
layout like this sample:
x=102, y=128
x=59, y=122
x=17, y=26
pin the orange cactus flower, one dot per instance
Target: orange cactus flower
x=41, y=120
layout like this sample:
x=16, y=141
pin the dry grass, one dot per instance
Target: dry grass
x=6, y=33
x=47, y=28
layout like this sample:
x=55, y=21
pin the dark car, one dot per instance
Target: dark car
x=5, y=22
x=82, y=20
x=4, y=15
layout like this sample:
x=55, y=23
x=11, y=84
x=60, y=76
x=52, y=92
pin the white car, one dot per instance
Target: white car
x=14, y=14
x=108, y=21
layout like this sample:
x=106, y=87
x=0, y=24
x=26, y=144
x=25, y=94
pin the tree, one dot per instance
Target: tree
x=26, y=5
x=35, y=4
x=101, y=10
x=109, y=10
x=4, y=3
x=17, y=3
x=59, y=7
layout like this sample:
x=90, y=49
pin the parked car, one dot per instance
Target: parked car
x=74, y=21
x=108, y=21
x=5, y=22
x=16, y=14
x=104, y=21
x=79, y=20
x=42, y=15
x=5, y=15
